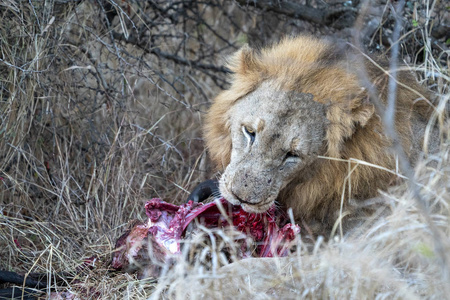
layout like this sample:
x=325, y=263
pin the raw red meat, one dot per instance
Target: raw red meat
x=167, y=223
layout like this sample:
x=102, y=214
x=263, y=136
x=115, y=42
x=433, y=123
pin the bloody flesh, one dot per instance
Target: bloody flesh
x=167, y=223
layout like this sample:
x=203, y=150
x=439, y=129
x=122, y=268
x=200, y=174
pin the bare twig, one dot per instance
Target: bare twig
x=177, y=59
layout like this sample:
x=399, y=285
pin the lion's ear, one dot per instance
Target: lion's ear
x=244, y=60
x=343, y=123
x=363, y=113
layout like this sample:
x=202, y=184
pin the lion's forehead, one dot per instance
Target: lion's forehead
x=277, y=110
x=276, y=105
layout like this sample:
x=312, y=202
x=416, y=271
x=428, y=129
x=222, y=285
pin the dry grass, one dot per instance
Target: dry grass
x=90, y=128
x=393, y=257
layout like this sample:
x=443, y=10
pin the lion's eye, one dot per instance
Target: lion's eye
x=291, y=157
x=250, y=133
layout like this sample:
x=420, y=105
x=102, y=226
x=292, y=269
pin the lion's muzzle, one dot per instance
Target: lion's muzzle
x=254, y=190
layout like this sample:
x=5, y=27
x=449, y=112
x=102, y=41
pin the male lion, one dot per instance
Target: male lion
x=294, y=116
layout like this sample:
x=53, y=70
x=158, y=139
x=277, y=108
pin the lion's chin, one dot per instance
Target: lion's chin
x=255, y=208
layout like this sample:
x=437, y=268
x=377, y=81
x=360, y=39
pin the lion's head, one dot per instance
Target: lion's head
x=275, y=135
x=286, y=105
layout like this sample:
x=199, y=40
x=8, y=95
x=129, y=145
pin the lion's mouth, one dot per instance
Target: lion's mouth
x=256, y=208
